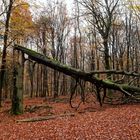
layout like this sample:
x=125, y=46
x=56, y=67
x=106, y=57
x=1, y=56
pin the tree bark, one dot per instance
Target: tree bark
x=17, y=98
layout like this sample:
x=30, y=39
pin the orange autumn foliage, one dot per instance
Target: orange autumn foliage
x=21, y=20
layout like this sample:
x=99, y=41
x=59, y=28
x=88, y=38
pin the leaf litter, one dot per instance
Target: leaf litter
x=91, y=122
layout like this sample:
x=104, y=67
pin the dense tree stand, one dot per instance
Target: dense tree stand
x=126, y=89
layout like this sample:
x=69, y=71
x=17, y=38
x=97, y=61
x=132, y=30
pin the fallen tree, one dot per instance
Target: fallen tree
x=77, y=74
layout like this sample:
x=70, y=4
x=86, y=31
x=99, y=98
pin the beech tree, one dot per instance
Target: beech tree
x=21, y=27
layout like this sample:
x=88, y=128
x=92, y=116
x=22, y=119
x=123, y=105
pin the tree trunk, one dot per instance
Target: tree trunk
x=31, y=75
x=106, y=53
x=3, y=61
x=17, y=98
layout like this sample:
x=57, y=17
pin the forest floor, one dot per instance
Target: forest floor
x=90, y=121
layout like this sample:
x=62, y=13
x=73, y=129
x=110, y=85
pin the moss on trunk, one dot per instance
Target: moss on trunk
x=77, y=73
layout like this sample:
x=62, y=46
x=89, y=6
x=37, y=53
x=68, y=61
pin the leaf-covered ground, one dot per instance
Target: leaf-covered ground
x=89, y=123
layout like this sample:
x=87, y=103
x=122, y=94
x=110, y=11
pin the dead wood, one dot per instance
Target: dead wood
x=126, y=89
x=45, y=118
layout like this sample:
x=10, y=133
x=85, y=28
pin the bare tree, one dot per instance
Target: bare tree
x=102, y=15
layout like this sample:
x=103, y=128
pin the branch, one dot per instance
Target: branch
x=115, y=72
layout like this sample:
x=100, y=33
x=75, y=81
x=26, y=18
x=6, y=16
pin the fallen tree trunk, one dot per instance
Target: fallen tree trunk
x=121, y=72
x=78, y=74
x=46, y=118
